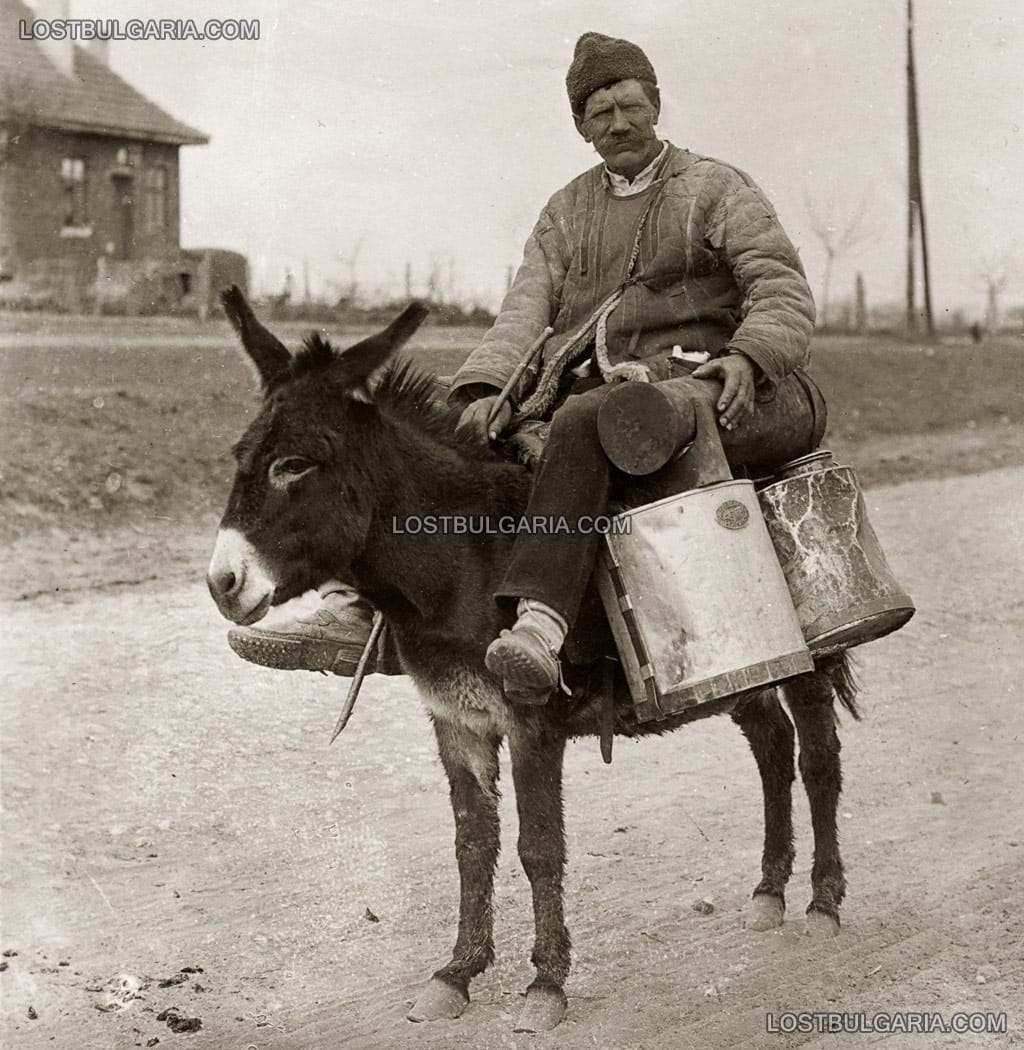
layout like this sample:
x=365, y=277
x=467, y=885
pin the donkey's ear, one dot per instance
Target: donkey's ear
x=268, y=353
x=365, y=358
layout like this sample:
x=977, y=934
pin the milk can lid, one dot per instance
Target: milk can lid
x=820, y=460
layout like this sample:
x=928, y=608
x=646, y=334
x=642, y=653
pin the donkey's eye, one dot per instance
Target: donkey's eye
x=288, y=468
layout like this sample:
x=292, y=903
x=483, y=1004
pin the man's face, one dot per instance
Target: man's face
x=619, y=120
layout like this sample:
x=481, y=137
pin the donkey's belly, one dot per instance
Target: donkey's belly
x=468, y=699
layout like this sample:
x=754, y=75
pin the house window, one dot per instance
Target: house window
x=129, y=156
x=155, y=182
x=72, y=177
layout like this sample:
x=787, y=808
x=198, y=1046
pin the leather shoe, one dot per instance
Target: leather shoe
x=527, y=665
x=325, y=640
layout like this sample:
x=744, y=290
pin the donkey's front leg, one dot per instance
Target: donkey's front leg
x=770, y=735
x=537, y=753
x=810, y=700
x=471, y=762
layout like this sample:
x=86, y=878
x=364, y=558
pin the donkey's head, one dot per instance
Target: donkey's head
x=300, y=505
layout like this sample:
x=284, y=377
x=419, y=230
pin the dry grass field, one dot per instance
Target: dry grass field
x=109, y=423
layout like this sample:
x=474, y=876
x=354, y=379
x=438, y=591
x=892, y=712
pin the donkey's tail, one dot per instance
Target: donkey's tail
x=839, y=669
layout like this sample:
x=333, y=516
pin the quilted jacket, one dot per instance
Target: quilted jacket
x=715, y=272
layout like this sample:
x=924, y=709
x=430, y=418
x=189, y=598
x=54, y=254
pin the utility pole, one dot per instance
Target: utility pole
x=915, y=196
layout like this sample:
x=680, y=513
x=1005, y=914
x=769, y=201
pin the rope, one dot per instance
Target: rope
x=625, y=370
x=543, y=396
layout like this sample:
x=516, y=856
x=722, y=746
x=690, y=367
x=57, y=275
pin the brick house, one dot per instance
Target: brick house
x=89, y=195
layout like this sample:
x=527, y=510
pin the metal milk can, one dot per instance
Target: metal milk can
x=697, y=601
x=843, y=589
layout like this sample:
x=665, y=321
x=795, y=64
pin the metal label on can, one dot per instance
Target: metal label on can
x=732, y=514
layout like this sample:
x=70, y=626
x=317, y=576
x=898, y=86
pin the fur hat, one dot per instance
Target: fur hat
x=600, y=60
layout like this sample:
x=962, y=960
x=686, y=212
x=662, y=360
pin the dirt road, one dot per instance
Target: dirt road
x=177, y=835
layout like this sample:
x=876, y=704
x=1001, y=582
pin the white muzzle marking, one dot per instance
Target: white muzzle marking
x=238, y=579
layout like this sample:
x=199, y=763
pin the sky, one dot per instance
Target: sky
x=357, y=137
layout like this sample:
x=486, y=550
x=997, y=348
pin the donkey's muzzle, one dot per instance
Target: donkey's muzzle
x=238, y=583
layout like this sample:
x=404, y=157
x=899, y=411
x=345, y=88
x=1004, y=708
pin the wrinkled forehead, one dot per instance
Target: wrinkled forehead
x=620, y=92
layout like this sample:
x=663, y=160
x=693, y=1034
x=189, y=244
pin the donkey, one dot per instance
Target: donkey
x=346, y=444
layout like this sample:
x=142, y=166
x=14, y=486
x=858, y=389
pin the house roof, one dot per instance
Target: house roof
x=94, y=100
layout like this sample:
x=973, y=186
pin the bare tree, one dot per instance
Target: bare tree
x=442, y=286
x=838, y=235
x=450, y=284
x=434, y=282
x=349, y=286
x=995, y=272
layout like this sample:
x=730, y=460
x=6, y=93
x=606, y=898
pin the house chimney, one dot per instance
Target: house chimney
x=60, y=52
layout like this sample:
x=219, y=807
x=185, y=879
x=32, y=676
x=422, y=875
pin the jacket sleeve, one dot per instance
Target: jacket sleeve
x=778, y=308
x=528, y=308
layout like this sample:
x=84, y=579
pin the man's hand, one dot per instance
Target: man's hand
x=475, y=416
x=736, y=373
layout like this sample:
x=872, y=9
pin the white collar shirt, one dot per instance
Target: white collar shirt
x=623, y=187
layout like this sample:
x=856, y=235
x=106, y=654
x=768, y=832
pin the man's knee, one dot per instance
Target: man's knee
x=578, y=413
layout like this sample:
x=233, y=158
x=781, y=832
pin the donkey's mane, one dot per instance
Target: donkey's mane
x=317, y=355
x=408, y=394
x=405, y=393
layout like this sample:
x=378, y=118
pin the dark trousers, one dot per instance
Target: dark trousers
x=575, y=483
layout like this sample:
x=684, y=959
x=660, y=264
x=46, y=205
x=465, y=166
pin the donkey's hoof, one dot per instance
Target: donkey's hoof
x=543, y=1010
x=766, y=913
x=821, y=925
x=439, y=1001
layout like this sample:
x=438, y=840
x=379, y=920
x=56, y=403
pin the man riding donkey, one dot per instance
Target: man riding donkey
x=658, y=266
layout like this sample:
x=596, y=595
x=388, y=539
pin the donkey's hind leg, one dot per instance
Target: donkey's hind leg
x=770, y=734
x=471, y=762
x=537, y=753
x=810, y=700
